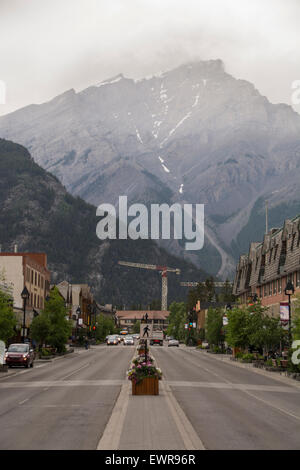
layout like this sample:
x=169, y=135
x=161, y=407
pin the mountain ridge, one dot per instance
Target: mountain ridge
x=194, y=134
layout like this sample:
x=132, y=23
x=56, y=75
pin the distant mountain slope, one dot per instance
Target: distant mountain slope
x=38, y=214
x=194, y=134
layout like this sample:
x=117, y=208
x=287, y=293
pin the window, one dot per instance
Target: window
x=270, y=288
x=34, y=300
x=31, y=277
x=298, y=278
x=265, y=290
x=293, y=241
x=274, y=288
x=31, y=299
x=279, y=284
x=35, y=278
x=271, y=252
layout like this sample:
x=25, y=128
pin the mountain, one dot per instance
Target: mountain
x=194, y=134
x=38, y=214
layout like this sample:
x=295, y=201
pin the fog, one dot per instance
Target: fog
x=49, y=46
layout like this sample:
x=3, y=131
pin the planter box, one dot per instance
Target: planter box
x=148, y=386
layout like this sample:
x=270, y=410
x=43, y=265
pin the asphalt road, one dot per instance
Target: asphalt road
x=64, y=404
x=231, y=407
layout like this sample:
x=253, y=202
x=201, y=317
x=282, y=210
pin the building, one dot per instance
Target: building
x=26, y=270
x=80, y=303
x=127, y=318
x=202, y=310
x=81, y=306
x=269, y=265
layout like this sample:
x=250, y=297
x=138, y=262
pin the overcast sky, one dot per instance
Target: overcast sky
x=49, y=46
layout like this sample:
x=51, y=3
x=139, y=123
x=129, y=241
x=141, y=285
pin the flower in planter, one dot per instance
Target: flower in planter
x=140, y=371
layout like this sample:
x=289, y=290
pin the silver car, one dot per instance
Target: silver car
x=173, y=342
x=128, y=341
x=112, y=340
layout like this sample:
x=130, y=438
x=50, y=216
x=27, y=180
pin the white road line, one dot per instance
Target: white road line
x=281, y=410
x=111, y=437
x=185, y=428
x=24, y=401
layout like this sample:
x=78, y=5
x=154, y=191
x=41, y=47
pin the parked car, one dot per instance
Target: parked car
x=173, y=342
x=112, y=340
x=136, y=336
x=19, y=354
x=205, y=344
x=128, y=341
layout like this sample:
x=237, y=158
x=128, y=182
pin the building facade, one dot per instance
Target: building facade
x=127, y=318
x=269, y=265
x=26, y=270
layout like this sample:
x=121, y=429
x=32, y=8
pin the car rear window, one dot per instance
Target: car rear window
x=18, y=348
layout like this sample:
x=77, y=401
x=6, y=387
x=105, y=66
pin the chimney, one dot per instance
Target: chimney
x=15, y=248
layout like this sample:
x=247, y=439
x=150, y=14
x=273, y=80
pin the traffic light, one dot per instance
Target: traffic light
x=94, y=328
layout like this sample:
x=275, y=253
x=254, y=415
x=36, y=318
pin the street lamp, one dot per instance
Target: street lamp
x=78, y=311
x=289, y=290
x=25, y=296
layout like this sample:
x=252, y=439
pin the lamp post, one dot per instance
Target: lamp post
x=289, y=290
x=25, y=296
x=78, y=311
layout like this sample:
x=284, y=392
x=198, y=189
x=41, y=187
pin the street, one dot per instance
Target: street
x=67, y=403
x=53, y=405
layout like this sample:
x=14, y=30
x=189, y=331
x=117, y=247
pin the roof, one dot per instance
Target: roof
x=138, y=314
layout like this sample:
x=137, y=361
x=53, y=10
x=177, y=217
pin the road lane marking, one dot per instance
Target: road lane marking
x=248, y=367
x=24, y=401
x=231, y=386
x=62, y=383
x=111, y=436
x=185, y=428
x=279, y=409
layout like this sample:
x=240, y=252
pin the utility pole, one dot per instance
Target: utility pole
x=267, y=216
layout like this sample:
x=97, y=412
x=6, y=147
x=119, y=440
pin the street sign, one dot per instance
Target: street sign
x=146, y=330
x=2, y=352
